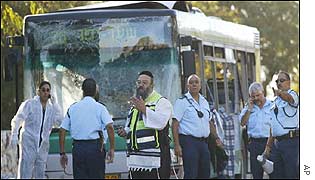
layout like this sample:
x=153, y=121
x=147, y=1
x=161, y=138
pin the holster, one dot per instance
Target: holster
x=100, y=133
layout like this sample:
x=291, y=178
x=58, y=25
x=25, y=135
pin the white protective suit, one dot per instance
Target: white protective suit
x=30, y=116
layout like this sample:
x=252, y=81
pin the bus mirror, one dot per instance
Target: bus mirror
x=186, y=41
x=10, y=61
x=8, y=68
x=14, y=41
x=189, y=63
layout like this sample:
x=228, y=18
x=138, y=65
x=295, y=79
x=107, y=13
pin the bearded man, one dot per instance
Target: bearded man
x=146, y=132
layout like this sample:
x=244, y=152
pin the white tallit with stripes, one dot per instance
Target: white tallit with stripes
x=143, y=160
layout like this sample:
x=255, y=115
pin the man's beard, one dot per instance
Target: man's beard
x=141, y=92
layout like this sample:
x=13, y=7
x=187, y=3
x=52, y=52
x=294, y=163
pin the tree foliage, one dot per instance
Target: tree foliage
x=12, y=14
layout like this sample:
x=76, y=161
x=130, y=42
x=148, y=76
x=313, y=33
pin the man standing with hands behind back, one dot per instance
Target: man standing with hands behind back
x=85, y=120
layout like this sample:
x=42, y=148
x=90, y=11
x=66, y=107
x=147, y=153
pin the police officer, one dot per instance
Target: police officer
x=284, y=143
x=146, y=131
x=85, y=120
x=257, y=116
x=191, y=127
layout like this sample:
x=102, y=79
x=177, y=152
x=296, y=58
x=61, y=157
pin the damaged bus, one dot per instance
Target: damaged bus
x=113, y=41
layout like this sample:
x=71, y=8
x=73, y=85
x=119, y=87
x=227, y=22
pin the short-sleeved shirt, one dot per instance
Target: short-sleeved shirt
x=189, y=122
x=259, y=122
x=85, y=118
x=288, y=115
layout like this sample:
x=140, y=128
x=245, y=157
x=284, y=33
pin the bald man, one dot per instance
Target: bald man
x=191, y=127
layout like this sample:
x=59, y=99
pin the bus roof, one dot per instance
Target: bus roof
x=99, y=13
x=211, y=30
x=127, y=4
x=216, y=32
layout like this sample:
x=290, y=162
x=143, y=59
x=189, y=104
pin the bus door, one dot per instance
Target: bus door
x=192, y=54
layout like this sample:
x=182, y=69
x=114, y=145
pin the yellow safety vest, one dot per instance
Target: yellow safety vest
x=141, y=137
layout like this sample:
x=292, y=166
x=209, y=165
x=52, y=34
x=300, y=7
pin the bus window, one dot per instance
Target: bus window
x=208, y=50
x=230, y=74
x=251, y=67
x=219, y=52
x=110, y=50
x=220, y=82
x=242, y=74
x=210, y=80
x=226, y=90
x=197, y=57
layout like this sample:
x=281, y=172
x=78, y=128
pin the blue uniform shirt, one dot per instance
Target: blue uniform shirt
x=259, y=122
x=288, y=115
x=85, y=118
x=189, y=122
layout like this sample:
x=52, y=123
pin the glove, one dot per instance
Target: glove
x=14, y=141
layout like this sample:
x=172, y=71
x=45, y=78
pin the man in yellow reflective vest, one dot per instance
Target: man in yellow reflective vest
x=146, y=132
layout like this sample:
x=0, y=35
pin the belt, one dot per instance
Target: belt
x=87, y=140
x=292, y=134
x=197, y=138
x=258, y=139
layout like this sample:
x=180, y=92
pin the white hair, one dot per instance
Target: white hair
x=193, y=75
x=255, y=87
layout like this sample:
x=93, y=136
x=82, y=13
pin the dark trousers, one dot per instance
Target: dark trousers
x=88, y=160
x=196, y=157
x=285, y=156
x=256, y=147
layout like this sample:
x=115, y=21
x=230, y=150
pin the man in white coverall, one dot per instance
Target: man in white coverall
x=37, y=117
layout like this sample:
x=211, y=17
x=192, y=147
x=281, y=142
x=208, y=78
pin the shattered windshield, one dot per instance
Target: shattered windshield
x=111, y=50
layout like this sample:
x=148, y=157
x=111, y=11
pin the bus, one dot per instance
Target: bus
x=113, y=41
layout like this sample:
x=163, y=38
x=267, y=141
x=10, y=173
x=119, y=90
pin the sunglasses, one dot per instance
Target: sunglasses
x=280, y=80
x=45, y=90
